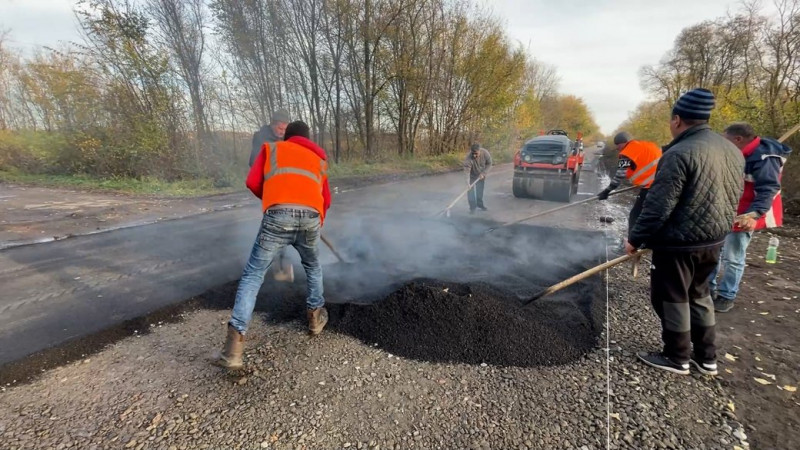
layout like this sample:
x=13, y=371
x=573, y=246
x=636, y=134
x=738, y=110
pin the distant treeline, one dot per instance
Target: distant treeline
x=174, y=88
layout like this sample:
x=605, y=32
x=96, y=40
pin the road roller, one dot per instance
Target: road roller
x=548, y=167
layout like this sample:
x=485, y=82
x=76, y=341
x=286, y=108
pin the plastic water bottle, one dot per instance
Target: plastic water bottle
x=772, y=250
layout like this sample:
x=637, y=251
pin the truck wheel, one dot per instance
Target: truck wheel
x=518, y=187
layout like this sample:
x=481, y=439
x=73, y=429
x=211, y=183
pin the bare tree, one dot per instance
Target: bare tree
x=181, y=23
x=779, y=58
x=305, y=21
x=254, y=34
x=335, y=14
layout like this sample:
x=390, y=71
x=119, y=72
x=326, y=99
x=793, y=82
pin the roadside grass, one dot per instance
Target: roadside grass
x=403, y=165
x=206, y=186
x=146, y=186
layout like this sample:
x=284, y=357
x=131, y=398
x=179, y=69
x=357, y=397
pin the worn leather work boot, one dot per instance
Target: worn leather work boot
x=231, y=355
x=317, y=318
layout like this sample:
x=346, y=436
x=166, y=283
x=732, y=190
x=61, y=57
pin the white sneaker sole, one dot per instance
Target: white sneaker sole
x=702, y=369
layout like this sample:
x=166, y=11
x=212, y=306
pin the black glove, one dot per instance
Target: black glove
x=603, y=195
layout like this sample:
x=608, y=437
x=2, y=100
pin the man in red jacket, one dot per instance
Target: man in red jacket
x=291, y=179
x=760, y=207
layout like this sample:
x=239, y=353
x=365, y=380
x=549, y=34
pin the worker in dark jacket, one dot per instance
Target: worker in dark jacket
x=687, y=214
x=637, y=163
x=477, y=164
x=272, y=133
x=760, y=207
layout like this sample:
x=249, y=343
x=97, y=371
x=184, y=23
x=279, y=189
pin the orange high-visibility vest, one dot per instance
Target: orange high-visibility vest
x=645, y=156
x=293, y=175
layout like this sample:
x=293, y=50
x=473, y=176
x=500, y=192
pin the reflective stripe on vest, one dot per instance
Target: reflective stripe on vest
x=293, y=174
x=641, y=152
x=643, y=170
x=647, y=181
x=275, y=170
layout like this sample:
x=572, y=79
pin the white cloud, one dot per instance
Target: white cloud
x=33, y=23
x=598, y=46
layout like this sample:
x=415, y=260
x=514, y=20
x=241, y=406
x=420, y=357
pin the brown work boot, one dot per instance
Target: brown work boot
x=317, y=318
x=231, y=355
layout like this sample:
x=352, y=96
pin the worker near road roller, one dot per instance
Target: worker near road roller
x=477, y=165
x=637, y=163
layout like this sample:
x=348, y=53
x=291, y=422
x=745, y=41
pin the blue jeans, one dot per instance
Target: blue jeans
x=731, y=265
x=279, y=229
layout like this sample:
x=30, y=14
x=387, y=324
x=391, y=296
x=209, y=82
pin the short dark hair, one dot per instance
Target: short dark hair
x=741, y=129
x=297, y=128
x=475, y=147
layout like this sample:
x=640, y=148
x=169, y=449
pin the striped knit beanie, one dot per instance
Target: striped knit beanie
x=695, y=104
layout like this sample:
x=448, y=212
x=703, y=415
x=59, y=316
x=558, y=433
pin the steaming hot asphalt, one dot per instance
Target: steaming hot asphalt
x=69, y=289
x=521, y=259
x=448, y=291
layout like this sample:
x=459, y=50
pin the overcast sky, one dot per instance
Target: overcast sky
x=597, y=46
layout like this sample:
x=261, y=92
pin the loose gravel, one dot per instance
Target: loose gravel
x=157, y=390
x=334, y=391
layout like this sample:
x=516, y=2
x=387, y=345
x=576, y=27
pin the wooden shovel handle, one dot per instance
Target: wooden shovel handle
x=330, y=246
x=582, y=276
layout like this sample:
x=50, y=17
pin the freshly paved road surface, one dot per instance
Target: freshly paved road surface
x=66, y=289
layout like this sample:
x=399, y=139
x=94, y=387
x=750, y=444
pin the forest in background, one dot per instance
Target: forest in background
x=749, y=59
x=172, y=90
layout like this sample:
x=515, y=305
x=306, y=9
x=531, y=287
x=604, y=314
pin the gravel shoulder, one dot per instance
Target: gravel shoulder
x=155, y=388
x=761, y=337
x=652, y=408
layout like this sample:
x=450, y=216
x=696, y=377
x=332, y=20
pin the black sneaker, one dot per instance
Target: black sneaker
x=659, y=361
x=706, y=368
x=723, y=305
x=482, y=208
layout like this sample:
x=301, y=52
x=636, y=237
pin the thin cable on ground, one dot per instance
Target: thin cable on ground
x=608, y=364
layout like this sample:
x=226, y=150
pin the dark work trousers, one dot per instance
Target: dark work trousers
x=636, y=210
x=475, y=195
x=681, y=297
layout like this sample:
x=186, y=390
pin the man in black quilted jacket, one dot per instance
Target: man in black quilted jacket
x=688, y=212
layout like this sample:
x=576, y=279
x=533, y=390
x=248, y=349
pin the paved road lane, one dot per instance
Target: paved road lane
x=66, y=289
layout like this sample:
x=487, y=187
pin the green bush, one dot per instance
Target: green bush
x=32, y=151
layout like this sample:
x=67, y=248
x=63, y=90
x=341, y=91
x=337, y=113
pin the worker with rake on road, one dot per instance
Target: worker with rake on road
x=687, y=214
x=477, y=163
x=637, y=163
x=290, y=178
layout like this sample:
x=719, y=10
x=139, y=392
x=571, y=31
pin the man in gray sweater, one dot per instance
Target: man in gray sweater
x=282, y=270
x=478, y=163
